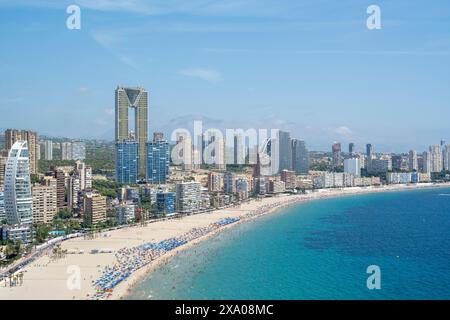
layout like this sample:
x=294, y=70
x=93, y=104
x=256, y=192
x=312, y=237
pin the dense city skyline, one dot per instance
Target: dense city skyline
x=211, y=62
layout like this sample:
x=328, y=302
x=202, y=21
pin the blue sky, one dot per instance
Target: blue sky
x=310, y=67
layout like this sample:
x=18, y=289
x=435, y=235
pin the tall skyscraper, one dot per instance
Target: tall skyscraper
x=337, y=155
x=436, y=158
x=48, y=150
x=66, y=151
x=229, y=182
x=285, y=150
x=2, y=207
x=446, y=157
x=426, y=159
x=369, y=156
x=60, y=176
x=412, y=161
x=238, y=149
x=351, y=148
x=352, y=166
x=188, y=196
x=127, y=161
x=158, y=160
x=12, y=136
x=137, y=99
x=18, y=198
x=3, y=160
x=214, y=181
x=300, y=157
x=78, y=150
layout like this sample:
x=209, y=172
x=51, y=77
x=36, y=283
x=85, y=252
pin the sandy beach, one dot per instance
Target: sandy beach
x=50, y=278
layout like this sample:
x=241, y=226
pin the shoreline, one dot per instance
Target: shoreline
x=55, y=272
x=124, y=289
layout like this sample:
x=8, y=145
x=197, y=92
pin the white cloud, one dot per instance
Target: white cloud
x=343, y=131
x=203, y=74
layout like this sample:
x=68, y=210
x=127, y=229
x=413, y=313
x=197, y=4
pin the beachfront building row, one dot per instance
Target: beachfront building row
x=324, y=180
x=407, y=177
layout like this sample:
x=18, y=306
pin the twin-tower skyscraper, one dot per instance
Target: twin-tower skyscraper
x=135, y=99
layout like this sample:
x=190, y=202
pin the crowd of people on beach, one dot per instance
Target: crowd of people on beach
x=131, y=259
x=128, y=260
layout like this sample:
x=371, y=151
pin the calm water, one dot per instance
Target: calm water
x=321, y=250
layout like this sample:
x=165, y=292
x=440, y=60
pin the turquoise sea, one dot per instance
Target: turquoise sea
x=321, y=250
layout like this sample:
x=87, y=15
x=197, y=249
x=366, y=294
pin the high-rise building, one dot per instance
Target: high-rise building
x=75, y=150
x=12, y=136
x=351, y=149
x=137, y=99
x=276, y=186
x=84, y=172
x=73, y=189
x=380, y=166
x=60, y=176
x=79, y=180
x=94, y=206
x=165, y=202
x=3, y=160
x=412, y=161
x=300, y=157
x=285, y=151
x=369, y=156
x=188, y=196
x=214, y=182
x=66, y=151
x=436, y=158
x=229, y=182
x=158, y=160
x=337, y=154
x=18, y=198
x=261, y=185
x=125, y=213
x=289, y=178
x=238, y=149
x=446, y=157
x=127, y=161
x=215, y=151
x=2, y=207
x=426, y=162
x=242, y=188
x=48, y=149
x=185, y=154
x=78, y=150
x=352, y=166
x=397, y=161
x=44, y=202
